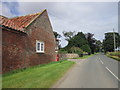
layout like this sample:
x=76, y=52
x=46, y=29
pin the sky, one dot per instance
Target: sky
x=94, y=17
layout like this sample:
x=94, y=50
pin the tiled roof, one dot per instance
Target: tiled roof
x=18, y=23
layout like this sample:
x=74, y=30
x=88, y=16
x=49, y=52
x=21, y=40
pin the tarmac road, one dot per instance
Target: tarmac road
x=97, y=71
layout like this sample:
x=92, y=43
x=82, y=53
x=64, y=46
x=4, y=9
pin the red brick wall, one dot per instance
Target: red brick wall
x=19, y=50
x=13, y=50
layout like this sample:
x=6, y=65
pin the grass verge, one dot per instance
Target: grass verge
x=42, y=76
x=114, y=55
x=85, y=56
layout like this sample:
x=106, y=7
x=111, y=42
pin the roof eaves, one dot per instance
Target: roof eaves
x=23, y=31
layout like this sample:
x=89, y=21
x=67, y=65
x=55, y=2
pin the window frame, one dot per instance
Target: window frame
x=40, y=43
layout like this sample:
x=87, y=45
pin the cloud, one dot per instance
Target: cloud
x=94, y=17
x=10, y=8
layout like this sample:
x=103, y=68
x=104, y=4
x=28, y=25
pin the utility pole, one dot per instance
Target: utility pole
x=114, y=39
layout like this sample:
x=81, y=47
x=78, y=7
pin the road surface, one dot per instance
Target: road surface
x=97, y=71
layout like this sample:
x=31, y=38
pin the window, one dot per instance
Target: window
x=39, y=47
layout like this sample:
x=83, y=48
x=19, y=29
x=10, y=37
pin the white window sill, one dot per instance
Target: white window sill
x=40, y=52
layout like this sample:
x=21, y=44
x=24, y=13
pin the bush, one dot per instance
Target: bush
x=62, y=50
x=86, y=48
x=85, y=53
x=76, y=50
x=114, y=55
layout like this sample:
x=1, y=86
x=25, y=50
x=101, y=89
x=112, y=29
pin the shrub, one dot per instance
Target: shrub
x=76, y=50
x=86, y=48
x=115, y=55
x=62, y=50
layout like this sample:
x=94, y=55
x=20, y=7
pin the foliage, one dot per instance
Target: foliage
x=38, y=76
x=91, y=41
x=84, y=41
x=76, y=50
x=57, y=35
x=108, y=42
x=84, y=57
x=68, y=35
x=98, y=44
x=78, y=41
x=114, y=55
x=63, y=50
x=86, y=48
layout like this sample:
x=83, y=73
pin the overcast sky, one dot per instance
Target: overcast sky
x=94, y=17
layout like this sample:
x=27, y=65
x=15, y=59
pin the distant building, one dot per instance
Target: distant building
x=27, y=41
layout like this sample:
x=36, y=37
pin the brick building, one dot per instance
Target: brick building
x=26, y=41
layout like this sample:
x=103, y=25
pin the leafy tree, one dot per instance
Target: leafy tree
x=84, y=41
x=57, y=37
x=108, y=42
x=98, y=44
x=86, y=48
x=56, y=34
x=80, y=41
x=91, y=41
x=68, y=35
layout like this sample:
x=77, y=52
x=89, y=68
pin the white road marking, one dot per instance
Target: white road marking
x=110, y=70
x=101, y=61
x=112, y=73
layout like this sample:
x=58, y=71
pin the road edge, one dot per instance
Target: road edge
x=63, y=77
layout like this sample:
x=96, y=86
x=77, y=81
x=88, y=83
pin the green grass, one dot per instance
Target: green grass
x=0, y=81
x=85, y=56
x=42, y=76
x=114, y=55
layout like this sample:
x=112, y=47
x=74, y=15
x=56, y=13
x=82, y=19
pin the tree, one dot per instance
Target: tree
x=79, y=41
x=68, y=35
x=108, y=42
x=91, y=41
x=57, y=37
x=98, y=44
x=86, y=48
x=56, y=34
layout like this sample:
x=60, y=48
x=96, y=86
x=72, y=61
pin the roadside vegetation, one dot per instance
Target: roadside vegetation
x=41, y=76
x=108, y=42
x=111, y=47
x=83, y=44
x=114, y=55
x=85, y=56
x=79, y=43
